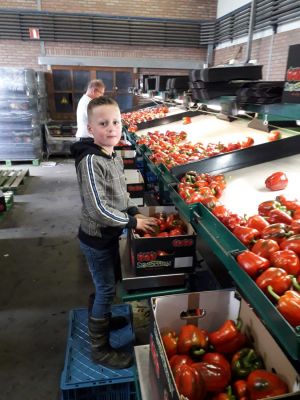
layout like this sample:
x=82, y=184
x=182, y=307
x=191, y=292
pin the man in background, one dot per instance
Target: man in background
x=96, y=88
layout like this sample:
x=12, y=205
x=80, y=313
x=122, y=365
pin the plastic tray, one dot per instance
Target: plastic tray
x=81, y=378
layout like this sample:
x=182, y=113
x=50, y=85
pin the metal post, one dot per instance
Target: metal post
x=250, y=31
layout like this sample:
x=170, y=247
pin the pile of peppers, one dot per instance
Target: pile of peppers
x=272, y=237
x=273, y=259
x=219, y=365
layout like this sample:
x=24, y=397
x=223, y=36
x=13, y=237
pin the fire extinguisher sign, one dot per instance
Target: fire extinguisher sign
x=34, y=33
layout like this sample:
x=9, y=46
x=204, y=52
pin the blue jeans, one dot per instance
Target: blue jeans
x=103, y=265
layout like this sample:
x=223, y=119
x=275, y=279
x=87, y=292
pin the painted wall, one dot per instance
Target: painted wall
x=225, y=6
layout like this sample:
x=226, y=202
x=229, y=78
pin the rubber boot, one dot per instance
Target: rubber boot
x=102, y=352
x=115, y=323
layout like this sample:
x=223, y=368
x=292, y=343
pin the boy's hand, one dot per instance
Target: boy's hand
x=145, y=224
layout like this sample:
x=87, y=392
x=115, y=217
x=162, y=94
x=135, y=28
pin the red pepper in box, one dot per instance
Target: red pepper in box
x=252, y=263
x=189, y=382
x=288, y=305
x=179, y=359
x=245, y=361
x=240, y=389
x=228, y=338
x=214, y=377
x=262, y=384
x=277, y=278
x=215, y=371
x=170, y=339
x=225, y=395
x=192, y=341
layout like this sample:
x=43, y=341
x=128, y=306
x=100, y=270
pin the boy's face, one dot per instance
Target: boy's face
x=105, y=125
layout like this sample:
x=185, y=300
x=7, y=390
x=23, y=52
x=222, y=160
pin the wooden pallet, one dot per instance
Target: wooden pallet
x=9, y=163
x=11, y=179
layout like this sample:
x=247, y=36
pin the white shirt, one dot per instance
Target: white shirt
x=82, y=120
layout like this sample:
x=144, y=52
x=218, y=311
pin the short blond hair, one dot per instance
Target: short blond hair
x=101, y=101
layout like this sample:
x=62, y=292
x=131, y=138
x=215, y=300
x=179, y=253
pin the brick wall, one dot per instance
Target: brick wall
x=20, y=54
x=260, y=52
x=24, y=4
x=188, y=9
x=15, y=53
x=91, y=50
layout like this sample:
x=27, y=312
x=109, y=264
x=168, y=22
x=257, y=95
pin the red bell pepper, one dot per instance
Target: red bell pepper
x=232, y=221
x=295, y=226
x=257, y=222
x=279, y=216
x=179, y=359
x=228, y=338
x=291, y=243
x=265, y=247
x=192, y=341
x=240, y=389
x=287, y=260
x=276, y=232
x=246, y=235
x=215, y=376
x=291, y=205
x=266, y=206
x=221, y=212
x=277, y=181
x=296, y=213
x=225, y=395
x=170, y=339
x=262, y=384
x=189, y=382
x=252, y=263
x=288, y=305
x=245, y=361
x=219, y=360
x=277, y=278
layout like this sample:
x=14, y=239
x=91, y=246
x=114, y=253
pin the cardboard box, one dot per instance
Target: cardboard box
x=218, y=305
x=181, y=249
x=135, y=186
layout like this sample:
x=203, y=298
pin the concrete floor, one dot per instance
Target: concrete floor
x=43, y=277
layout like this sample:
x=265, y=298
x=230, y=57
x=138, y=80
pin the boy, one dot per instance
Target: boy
x=106, y=210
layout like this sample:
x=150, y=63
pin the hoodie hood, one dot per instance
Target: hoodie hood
x=81, y=149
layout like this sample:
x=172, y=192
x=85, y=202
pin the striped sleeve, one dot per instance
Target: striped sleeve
x=94, y=197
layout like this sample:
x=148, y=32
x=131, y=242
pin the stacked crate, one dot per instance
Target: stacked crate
x=82, y=379
x=20, y=127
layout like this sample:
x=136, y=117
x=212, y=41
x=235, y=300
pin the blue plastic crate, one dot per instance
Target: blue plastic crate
x=82, y=379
